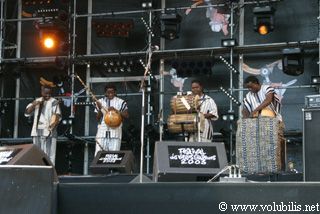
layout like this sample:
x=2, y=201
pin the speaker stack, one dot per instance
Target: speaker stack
x=311, y=138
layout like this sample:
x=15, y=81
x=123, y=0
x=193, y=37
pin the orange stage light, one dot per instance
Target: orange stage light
x=263, y=29
x=49, y=43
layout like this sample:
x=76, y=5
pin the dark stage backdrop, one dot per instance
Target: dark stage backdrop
x=295, y=20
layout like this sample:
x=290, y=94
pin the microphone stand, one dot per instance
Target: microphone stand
x=143, y=90
x=198, y=124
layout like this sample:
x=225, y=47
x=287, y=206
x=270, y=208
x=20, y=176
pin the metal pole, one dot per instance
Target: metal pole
x=149, y=95
x=319, y=39
x=142, y=131
x=73, y=53
x=161, y=99
x=1, y=53
x=161, y=82
x=87, y=109
x=241, y=43
x=231, y=83
x=1, y=29
x=18, y=55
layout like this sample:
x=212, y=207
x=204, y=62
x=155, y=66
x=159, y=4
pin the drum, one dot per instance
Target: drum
x=182, y=104
x=180, y=123
x=266, y=112
x=260, y=145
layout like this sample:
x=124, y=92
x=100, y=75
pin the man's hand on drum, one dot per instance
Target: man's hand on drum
x=255, y=113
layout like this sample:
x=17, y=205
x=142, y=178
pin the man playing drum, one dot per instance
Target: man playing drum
x=109, y=137
x=260, y=98
x=208, y=108
x=47, y=115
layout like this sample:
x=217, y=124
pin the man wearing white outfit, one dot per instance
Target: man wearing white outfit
x=209, y=111
x=47, y=115
x=107, y=137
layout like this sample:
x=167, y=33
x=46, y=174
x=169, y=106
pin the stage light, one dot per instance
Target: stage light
x=263, y=20
x=228, y=117
x=67, y=122
x=48, y=42
x=146, y=5
x=36, y=2
x=113, y=27
x=315, y=80
x=170, y=25
x=228, y=42
x=292, y=61
x=53, y=32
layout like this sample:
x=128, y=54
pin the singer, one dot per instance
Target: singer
x=47, y=115
x=208, y=108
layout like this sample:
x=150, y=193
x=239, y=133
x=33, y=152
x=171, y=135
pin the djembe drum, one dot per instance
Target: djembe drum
x=182, y=104
x=260, y=145
x=180, y=123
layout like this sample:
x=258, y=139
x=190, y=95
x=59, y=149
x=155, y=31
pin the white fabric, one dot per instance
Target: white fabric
x=49, y=108
x=110, y=138
x=207, y=105
x=41, y=136
x=48, y=145
x=253, y=100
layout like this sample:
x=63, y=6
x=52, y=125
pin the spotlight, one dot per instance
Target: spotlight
x=228, y=42
x=315, y=80
x=228, y=117
x=292, y=61
x=146, y=5
x=112, y=27
x=170, y=25
x=67, y=122
x=49, y=42
x=263, y=20
x=53, y=34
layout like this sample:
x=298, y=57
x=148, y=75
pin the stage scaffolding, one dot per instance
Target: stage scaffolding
x=161, y=55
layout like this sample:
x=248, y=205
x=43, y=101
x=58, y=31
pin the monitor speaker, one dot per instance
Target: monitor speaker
x=311, y=145
x=112, y=161
x=185, y=161
x=25, y=154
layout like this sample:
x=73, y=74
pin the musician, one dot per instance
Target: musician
x=107, y=137
x=47, y=115
x=258, y=98
x=208, y=108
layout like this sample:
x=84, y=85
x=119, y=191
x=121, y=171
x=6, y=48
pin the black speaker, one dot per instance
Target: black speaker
x=108, y=161
x=311, y=144
x=25, y=154
x=185, y=161
x=27, y=189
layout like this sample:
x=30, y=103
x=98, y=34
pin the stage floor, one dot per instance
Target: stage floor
x=97, y=195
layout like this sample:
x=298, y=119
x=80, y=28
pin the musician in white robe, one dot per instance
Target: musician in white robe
x=107, y=137
x=47, y=115
x=209, y=111
x=258, y=98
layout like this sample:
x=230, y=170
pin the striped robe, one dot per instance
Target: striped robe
x=253, y=100
x=110, y=138
x=207, y=105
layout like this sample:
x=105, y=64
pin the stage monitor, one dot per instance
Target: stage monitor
x=25, y=154
x=106, y=162
x=188, y=161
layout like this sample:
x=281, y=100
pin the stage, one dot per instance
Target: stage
x=25, y=189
